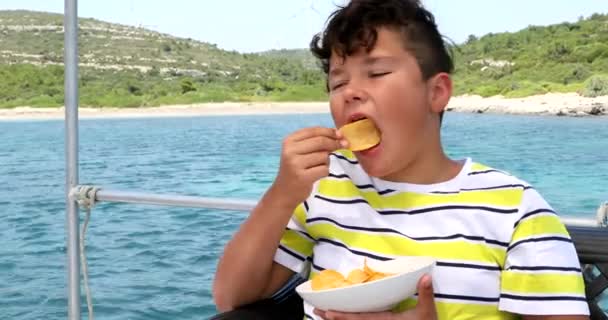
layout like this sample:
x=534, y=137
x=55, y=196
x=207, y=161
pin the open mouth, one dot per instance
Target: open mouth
x=356, y=117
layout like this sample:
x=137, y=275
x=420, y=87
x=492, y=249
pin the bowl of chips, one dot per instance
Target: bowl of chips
x=377, y=286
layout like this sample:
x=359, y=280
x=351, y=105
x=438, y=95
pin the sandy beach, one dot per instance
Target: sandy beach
x=553, y=104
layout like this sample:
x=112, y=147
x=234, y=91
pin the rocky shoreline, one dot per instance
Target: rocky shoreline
x=554, y=104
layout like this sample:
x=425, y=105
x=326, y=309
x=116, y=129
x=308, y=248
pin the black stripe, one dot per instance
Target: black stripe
x=445, y=192
x=469, y=298
x=356, y=252
x=467, y=265
x=360, y=186
x=352, y=201
x=295, y=255
x=449, y=207
x=540, y=239
x=544, y=268
x=365, y=186
x=539, y=298
x=371, y=186
x=387, y=230
x=528, y=188
x=306, y=206
x=319, y=268
x=531, y=213
x=506, y=186
x=339, y=156
x=308, y=317
x=483, y=172
x=419, y=211
x=339, y=176
x=385, y=192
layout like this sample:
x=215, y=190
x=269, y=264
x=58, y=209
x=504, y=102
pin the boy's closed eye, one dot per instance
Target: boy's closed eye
x=337, y=85
x=378, y=74
x=372, y=74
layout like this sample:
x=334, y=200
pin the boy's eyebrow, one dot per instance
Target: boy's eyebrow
x=336, y=72
x=373, y=60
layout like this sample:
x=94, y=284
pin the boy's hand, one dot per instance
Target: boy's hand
x=424, y=310
x=304, y=160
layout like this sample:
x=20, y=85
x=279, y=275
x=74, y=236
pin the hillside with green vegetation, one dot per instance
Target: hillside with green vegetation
x=565, y=57
x=123, y=66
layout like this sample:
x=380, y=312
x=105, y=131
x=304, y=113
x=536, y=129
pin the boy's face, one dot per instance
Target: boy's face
x=386, y=86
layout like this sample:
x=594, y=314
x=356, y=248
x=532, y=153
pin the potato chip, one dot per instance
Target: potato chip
x=330, y=279
x=378, y=276
x=367, y=269
x=357, y=276
x=361, y=135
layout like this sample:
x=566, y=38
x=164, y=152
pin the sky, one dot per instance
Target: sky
x=259, y=25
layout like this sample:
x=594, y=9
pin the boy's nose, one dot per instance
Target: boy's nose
x=354, y=94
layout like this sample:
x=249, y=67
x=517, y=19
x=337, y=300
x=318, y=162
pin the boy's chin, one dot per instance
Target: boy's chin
x=374, y=168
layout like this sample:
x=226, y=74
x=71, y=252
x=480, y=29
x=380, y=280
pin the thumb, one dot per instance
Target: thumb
x=426, y=300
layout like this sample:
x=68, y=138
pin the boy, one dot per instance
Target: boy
x=502, y=253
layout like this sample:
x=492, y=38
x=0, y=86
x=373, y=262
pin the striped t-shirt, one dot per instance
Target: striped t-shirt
x=500, y=248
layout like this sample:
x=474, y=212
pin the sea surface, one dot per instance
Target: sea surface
x=149, y=262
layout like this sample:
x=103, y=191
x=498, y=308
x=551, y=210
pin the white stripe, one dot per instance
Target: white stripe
x=289, y=261
x=544, y=307
x=468, y=238
x=436, y=224
x=560, y=254
x=541, y=295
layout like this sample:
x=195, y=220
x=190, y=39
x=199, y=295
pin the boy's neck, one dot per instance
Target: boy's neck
x=431, y=167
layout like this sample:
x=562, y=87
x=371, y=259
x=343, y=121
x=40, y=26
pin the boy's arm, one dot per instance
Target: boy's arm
x=247, y=271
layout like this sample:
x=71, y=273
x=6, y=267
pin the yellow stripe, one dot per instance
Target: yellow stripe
x=406, y=200
x=300, y=214
x=539, y=225
x=394, y=245
x=297, y=242
x=462, y=311
x=528, y=283
x=347, y=154
x=479, y=167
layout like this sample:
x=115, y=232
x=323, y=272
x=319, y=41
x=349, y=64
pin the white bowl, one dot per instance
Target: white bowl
x=374, y=296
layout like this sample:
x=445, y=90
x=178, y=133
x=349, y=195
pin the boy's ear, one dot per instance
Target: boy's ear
x=440, y=91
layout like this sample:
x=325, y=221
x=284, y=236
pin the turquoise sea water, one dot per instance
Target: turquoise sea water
x=149, y=262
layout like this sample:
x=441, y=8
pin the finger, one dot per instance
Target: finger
x=306, y=133
x=339, y=134
x=314, y=144
x=343, y=141
x=318, y=172
x=320, y=313
x=426, y=300
x=312, y=160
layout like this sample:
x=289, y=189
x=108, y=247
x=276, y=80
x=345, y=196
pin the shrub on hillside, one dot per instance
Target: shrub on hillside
x=596, y=86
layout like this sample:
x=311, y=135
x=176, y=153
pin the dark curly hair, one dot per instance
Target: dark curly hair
x=356, y=26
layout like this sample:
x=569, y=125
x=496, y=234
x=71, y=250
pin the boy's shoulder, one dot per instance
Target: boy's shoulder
x=482, y=174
